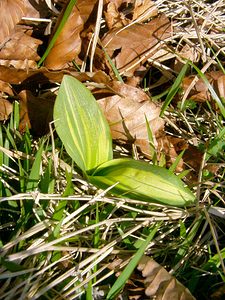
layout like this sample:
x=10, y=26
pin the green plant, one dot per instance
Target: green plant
x=85, y=134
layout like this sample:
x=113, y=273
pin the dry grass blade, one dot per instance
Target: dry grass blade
x=96, y=33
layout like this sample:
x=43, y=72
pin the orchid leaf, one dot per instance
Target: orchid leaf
x=81, y=125
x=142, y=181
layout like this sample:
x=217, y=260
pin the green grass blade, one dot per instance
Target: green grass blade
x=89, y=291
x=59, y=210
x=16, y=115
x=217, y=145
x=176, y=162
x=152, y=149
x=115, y=71
x=211, y=89
x=59, y=29
x=6, y=146
x=81, y=125
x=1, y=144
x=182, y=251
x=122, y=279
x=34, y=176
x=174, y=89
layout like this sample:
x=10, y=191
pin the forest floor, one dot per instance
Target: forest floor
x=157, y=71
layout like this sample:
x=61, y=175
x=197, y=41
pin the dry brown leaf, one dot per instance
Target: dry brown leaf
x=128, y=45
x=160, y=284
x=5, y=109
x=193, y=160
x=145, y=9
x=11, y=12
x=35, y=112
x=5, y=87
x=68, y=44
x=87, y=10
x=126, y=113
x=36, y=8
x=20, y=48
x=188, y=53
x=200, y=92
x=115, y=13
x=170, y=147
x=120, y=13
x=19, y=64
x=219, y=294
x=33, y=77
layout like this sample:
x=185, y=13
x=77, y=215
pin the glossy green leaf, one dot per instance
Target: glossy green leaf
x=141, y=181
x=81, y=125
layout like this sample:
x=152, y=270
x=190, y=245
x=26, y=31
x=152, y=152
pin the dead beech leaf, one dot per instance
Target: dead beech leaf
x=87, y=11
x=35, y=112
x=20, y=47
x=19, y=64
x=145, y=9
x=120, y=13
x=193, y=158
x=115, y=13
x=189, y=53
x=36, y=9
x=5, y=109
x=126, y=113
x=128, y=45
x=160, y=284
x=11, y=12
x=170, y=147
x=200, y=92
x=5, y=87
x=68, y=44
x=29, y=78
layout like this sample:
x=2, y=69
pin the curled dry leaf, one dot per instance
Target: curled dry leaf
x=35, y=112
x=68, y=44
x=11, y=12
x=36, y=9
x=126, y=114
x=170, y=147
x=5, y=87
x=29, y=78
x=160, y=284
x=200, y=92
x=120, y=13
x=87, y=11
x=187, y=52
x=126, y=46
x=144, y=9
x=115, y=14
x=19, y=64
x=5, y=109
x=191, y=160
x=20, y=47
